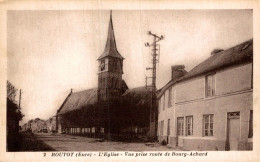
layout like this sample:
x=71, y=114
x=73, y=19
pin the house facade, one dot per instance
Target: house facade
x=51, y=124
x=211, y=107
x=38, y=125
x=25, y=127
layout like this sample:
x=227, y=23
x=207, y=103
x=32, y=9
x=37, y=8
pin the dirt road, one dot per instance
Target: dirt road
x=63, y=142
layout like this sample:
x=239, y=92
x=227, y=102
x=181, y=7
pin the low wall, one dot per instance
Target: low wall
x=203, y=144
x=212, y=145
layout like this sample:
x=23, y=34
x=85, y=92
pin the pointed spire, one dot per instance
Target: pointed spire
x=110, y=49
x=110, y=21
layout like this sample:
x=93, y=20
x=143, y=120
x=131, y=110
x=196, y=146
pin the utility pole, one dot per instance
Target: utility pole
x=153, y=111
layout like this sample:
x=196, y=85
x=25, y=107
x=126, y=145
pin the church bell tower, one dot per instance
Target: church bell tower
x=110, y=69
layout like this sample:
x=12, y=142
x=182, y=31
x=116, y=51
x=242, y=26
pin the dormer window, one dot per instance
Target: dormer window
x=210, y=85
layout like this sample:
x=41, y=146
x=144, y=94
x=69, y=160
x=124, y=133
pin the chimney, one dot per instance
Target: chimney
x=71, y=90
x=178, y=71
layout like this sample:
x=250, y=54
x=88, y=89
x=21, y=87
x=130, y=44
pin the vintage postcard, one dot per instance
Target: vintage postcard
x=134, y=80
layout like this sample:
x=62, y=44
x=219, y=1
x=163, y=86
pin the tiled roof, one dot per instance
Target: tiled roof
x=236, y=55
x=139, y=95
x=239, y=54
x=78, y=100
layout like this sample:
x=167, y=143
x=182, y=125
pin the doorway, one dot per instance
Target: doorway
x=180, y=131
x=233, y=130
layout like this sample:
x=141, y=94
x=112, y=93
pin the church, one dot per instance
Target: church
x=111, y=110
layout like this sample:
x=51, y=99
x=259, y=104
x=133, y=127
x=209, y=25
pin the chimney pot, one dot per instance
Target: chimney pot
x=178, y=71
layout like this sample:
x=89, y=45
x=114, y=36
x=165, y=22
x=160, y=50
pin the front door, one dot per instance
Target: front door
x=233, y=132
x=180, y=131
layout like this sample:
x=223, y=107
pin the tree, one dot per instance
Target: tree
x=14, y=115
x=11, y=91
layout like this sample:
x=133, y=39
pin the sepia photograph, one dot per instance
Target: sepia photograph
x=129, y=80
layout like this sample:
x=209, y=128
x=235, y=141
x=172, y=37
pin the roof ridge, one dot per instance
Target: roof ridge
x=231, y=56
x=85, y=90
x=64, y=102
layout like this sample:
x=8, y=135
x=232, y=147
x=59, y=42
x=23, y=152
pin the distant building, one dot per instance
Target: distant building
x=24, y=127
x=103, y=111
x=211, y=107
x=51, y=124
x=35, y=126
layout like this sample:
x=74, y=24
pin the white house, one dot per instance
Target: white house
x=211, y=107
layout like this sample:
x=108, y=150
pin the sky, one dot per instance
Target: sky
x=50, y=52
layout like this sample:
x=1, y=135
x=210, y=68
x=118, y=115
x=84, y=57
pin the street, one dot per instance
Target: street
x=64, y=142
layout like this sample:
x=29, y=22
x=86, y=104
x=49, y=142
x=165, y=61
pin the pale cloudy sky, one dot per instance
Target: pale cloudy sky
x=50, y=52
